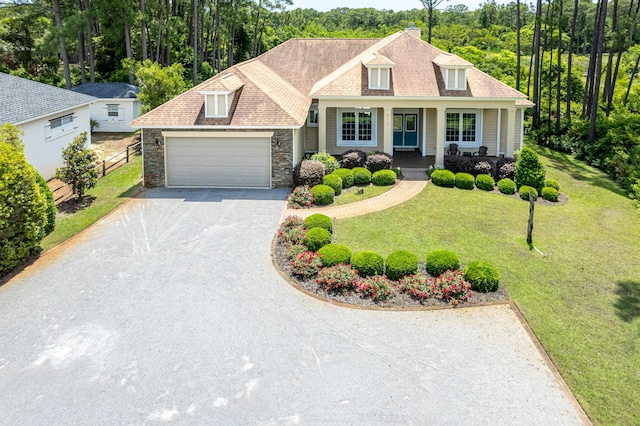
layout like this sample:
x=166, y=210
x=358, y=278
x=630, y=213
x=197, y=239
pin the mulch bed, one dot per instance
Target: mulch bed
x=399, y=300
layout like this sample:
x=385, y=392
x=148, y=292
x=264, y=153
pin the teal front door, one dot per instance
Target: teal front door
x=405, y=130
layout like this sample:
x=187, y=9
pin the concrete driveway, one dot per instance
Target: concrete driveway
x=170, y=310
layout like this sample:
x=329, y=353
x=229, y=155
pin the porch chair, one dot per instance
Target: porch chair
x=453, y=149
x=482, y=151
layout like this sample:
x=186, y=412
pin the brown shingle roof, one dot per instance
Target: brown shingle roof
x=227, y=82
x=448, y=59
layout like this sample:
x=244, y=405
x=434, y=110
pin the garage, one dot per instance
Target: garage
x=218, y=159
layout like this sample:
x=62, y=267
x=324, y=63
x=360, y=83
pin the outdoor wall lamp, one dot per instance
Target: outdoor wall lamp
x=277, y=142
x=158, y=142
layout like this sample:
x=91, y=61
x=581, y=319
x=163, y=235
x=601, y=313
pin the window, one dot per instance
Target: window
x=113, y=110
x=357, y=127
x=217, y=104
x=379, y=78
x=456, y=79
x=59, y=126
x=312, y=119
x=463, y=128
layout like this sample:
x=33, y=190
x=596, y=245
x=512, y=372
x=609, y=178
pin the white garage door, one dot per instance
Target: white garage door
x=230, y=162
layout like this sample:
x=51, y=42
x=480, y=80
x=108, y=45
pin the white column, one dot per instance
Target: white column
x=440, y=125
x=499, y=130
x=511, y=130
x=424, y=132
x=387, y=145
x=322, y=128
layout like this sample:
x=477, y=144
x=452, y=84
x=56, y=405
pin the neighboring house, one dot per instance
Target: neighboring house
x=49, y=116
x=116, y=106
x=249, y=125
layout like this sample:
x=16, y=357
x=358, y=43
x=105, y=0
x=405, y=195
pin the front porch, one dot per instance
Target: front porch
x=412, y=159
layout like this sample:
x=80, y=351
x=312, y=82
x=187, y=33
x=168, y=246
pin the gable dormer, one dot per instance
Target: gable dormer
x=219, y=94
x=454, y=70
x=379, y=70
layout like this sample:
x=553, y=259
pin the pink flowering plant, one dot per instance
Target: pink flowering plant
x=306, y=264
x=377, y=287
x=451, y=287
x=292, y=236
x=294, y=250
x=417, y=286
x=338, y=278
x=300, y=198
x=292, y=221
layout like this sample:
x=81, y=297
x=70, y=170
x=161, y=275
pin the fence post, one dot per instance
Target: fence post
x=104, y=171
x=127, y=154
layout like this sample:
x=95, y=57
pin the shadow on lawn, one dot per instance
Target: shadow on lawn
x=74, y=205
x=628, y=303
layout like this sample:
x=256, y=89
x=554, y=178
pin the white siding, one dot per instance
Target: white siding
x=490, y=130
x=45, y=154
x=129, y=109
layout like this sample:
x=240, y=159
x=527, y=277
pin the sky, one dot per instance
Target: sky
x=396, y=5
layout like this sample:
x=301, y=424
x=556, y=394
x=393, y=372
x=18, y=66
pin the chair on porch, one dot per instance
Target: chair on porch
x=453, y=149
x=482, y=151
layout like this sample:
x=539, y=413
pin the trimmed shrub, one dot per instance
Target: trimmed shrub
x=339, y=278
x=401, y=263
x=301, y=197
x=524, y=192
x=319, y=220
x=384, y=177
x=506, y=168
x=329, y=161
x=335, y=182
x=507, y=186
x=353, y=158
x=323, y=194
x=292, y=221
x=51, y=204
x=294, y=235
x=79, y=170
x=308, y=172
x=417, y=286
x=482, y=275
x=367, y=263
x=439, y=261
x=459, y=163
x=294, y=250
x=549, y=194
x=332, y=254
x=552, y=183
x=316, y=238
x=529, y=169
x=306, y=264
x=451, y=287
x=377, y=287
x=347, y=177
x=361, y=176
x=465, y=181
x=379, y=161
x=444, y=177
x=482, y=167
x=485, y=182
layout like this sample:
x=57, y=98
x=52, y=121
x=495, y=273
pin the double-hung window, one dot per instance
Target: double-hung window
x=113, y=110
x=463, y=128
x=356, y=127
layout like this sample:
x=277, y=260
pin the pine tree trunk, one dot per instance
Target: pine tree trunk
x=607, y=93
x=143, y=32
x=633, y=74
x=63, y=45
x=195, y=42
x=559, y=69
x=159, y=37
x=570, y=58
x=81, y=58
x=597, y=75
x=518, y=45
x=536, y=65
x=127, y=43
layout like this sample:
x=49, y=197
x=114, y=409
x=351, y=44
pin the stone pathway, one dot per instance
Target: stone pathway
x=413, y=182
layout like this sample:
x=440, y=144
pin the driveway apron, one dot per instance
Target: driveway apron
x=170, y=311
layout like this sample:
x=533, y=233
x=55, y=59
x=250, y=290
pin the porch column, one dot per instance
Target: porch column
x=387, y=146
x=440, y=125
x=424, y=132
x=511, y=130
x=322, y=128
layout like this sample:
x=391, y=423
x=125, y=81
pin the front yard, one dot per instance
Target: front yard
x=582, y=300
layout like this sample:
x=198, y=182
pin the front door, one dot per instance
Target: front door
x=405, y=130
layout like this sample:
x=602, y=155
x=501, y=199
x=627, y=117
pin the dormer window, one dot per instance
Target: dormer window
x=454, y=70
x=379, y=78
x=219, y=94
x=456, y=78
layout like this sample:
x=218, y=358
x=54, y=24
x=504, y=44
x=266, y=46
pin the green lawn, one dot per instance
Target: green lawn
x=111, y=191
x=582, y=301
x=351, y=195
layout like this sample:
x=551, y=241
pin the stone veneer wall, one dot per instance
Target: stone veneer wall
x=281, y=156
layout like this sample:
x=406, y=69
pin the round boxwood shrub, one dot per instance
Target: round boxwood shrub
x=329, y=161
x=465, y=180
x=507, y=186
x=361, y=176
x=485, y=182
x=323, y=194
x=552, y=183
x=335, y=182
x=316, y=238
x=347, y=177
x=439, y=261
x=443, y=177
x=401, y=263
x=332, y=254
x=482, y=275
x=367, y=263
x=318, y=220
x=549, y=194
x=384, y=177
x=524, y=192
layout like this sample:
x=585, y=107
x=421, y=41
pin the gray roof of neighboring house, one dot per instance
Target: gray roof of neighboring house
x=23, y=100
x=108, y=90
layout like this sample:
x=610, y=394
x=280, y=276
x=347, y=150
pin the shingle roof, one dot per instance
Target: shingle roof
x=228, y=82
x=23, y=100
x=278, y=86
x=108, y=90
